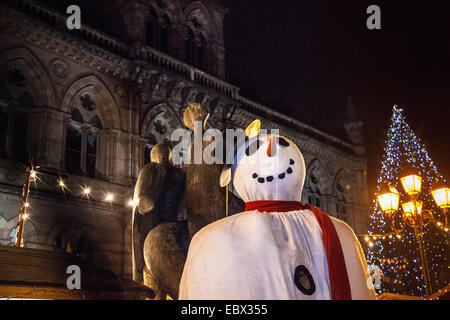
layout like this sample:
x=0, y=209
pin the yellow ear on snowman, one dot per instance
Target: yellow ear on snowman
x=225, y=176
x=253, y=129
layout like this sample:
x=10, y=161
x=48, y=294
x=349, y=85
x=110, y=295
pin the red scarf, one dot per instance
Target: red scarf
x=340, y=285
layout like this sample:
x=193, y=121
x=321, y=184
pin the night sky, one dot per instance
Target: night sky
x=304, y=57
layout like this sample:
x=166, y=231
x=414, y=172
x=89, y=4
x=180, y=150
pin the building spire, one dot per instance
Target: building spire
x=354, y=126
x=350, y=111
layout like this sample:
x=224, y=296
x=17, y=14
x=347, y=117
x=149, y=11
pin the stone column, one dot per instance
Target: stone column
x=40, y=127
x=85, y=131
x=56, y=139
x=110, y=149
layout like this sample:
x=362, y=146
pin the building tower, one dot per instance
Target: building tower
x=354, y=127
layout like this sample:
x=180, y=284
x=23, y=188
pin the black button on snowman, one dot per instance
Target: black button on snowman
x=304, y=280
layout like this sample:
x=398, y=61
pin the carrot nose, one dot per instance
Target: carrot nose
x=270, y=152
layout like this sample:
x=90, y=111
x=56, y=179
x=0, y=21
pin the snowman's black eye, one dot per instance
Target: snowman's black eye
x=253, y=147
x=282, y=142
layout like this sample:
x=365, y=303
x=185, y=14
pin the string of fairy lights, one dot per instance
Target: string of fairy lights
x=397, y=255
x=84, y=190
x=370, y=238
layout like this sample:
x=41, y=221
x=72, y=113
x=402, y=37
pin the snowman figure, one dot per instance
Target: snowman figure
x=278, y=248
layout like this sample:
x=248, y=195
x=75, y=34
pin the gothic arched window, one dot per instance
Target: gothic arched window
x=200, y=49
x=189, y=47
x=15, y=121
x=73, y=150
x=76, y=116
x=95, y=122
x=19, y=145
x=152, y=26
x=164, y=34
x=158, y=31
x=82, y=144
x=91, y=154
x=26, y=99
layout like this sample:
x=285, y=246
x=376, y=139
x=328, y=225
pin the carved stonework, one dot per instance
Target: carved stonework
x=192, y=95
x=158, y=85
x=197, y=21
x=177, y=92
x=120, y=91
x=59, y=42
x=60, y=68
x=145, y=98
x=87, y=102
x=159, y=123
x=203, y=99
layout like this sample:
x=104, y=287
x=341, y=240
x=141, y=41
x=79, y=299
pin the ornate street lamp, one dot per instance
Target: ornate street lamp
x=414, y=214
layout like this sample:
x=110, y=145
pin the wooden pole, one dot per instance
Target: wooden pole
x=23, y=210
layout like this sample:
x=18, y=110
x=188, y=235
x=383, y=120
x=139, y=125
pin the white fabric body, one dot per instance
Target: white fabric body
x=253, y=255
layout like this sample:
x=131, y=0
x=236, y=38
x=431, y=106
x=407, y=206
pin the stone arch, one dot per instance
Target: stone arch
x=38, y=84
x=198, y=10
x=29, y=233
x=160, y=121
x=101, y=95
x=317, y=177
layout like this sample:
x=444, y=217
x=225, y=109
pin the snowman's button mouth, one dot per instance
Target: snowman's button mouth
x=271, y=178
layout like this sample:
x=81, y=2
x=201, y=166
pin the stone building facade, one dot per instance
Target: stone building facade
x=87, y=105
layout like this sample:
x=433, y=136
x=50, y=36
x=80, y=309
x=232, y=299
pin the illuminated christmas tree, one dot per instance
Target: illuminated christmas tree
x=398, y=255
